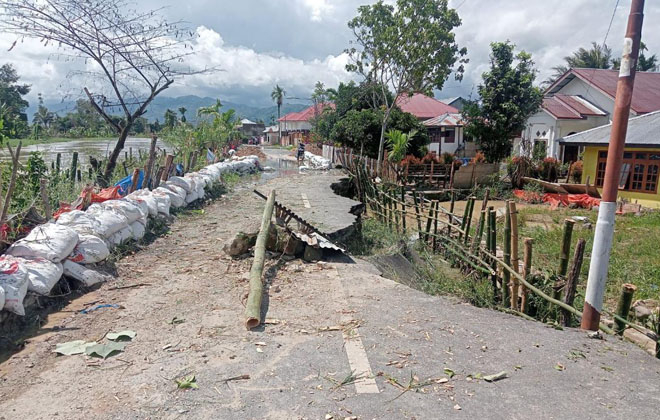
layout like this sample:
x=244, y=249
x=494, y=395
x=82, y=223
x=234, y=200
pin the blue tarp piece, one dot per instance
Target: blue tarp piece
x=179, y=169
x=125, y=184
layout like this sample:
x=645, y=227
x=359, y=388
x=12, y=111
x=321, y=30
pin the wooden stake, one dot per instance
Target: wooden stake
x=572, y=281
x=527, y=268
x=622, y=309
x=74, y=167
x=429, y=220
x=43, y=189
x=148, y=172
x=58, y=161
x=134, y=180
x=159, y=174
x=514, y=255
x=253, y=304
x=168, y=167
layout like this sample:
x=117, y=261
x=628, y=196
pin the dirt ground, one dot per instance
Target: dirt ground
x=339, y=342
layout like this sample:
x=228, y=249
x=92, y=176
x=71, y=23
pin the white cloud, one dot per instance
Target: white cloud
x=318, y=9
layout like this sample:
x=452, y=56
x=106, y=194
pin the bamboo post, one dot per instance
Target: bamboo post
x=135, y=178
x=403, y=208
x=468, y=223
x=194, y=159
x=429, y=220
x=623, y=307
x=476, y=241
x=79, y=175
x=148, y=171
x=12, y=181
x=43, y=190
x=565, y=247
x=571, y=282
x=464, y=220
x=168, y=166
x=493, y=247
x=74, y=167
x=514, y=254
x=253, y=304
x=417, y=213
x=123, y=163
x=506, y=276
x=188, y=162
x=452, y=204
x=527, y=269
x=395, y=208
x=435, y=225
x=58, y=161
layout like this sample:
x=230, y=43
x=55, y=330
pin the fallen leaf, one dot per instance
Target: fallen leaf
x=105, y=350
x=449, y=373
x=176, y=320
x=126, y=335
x=187, y=382
x=559, y=367
x=495, y=377
x=73, y=347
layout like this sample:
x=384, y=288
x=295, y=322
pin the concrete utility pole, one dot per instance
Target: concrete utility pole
x=600, y=254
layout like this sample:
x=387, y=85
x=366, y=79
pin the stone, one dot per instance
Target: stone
x=644, y=308
x=241, y=244
x=312, y=254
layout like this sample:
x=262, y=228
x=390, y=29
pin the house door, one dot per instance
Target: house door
x=571, y=153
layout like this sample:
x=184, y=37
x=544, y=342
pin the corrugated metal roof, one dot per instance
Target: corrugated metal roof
x=307, y=113
x=445, y=120
x=560, y=109
x=643, y=130
x=423, y=107
x=646, y=93
x=570, y=107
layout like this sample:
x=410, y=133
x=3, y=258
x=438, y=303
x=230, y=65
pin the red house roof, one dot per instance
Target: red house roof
x=646, y=93
x=423, y=107
x=307, y=113
x=570, y=107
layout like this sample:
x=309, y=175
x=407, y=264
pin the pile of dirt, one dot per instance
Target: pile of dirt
x=250, y=151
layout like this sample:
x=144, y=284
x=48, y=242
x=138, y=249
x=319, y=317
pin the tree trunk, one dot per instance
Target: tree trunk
x=381, y=145
x=279, y=125
x=112, y=161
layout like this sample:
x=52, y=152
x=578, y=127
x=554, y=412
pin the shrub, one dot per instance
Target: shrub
x=430, y=157
x=519, y=167
x=549, y=169
x=448, y=158
x=576, y=172
x=478, y=158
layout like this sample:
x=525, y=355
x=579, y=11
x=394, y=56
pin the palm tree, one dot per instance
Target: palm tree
x=210, y=110
x=277, y=95
x=643, y=63
x=183, y=110
x=597, y=57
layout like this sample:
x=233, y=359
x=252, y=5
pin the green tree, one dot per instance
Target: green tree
x=508, y=98
x=410, y=48
x=183, y=110
x=170, y=119
x=11, y=97
x=398, y=143
x=43, y=118
x=596, y=57
x=277, y=95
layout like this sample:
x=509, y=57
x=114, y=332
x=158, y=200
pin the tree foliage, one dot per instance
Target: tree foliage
x=508, y=98
x=12, y=101
x=133, y=56
x=407, y=48
x=644, y=63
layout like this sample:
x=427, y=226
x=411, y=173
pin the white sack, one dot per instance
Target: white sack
x=163, y=201
x=131, y=209
x=81, y=273
x=90, y=249
x=14, y=282
x=176, y=200
x=50, y=241
x=138, y=230
x=42, y=274
x=148, y=198
x=181, y=182
x=80, y=221
x=2, y=298
x=109, y=220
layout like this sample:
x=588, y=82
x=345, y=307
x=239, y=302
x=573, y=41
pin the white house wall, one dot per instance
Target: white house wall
x=541, y=122
x=443, y=147
x=578, y=87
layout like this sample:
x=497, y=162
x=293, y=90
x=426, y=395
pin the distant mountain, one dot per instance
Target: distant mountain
x=158, y=107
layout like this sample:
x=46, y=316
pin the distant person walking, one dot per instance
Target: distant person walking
x=301, y=152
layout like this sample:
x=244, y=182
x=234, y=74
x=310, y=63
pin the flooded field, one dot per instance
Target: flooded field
x=98, y=148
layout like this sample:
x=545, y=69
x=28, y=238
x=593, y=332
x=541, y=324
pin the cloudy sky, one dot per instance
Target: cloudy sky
x=259, y=43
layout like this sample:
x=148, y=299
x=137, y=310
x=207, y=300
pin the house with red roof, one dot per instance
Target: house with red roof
x=581, y=99
x=297, y=126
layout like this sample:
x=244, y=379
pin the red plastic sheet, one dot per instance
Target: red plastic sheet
x=555, y=200
x=111, y=193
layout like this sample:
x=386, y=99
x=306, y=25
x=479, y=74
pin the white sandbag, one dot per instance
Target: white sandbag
x=50, y=241
x=317, y=162
x=2, y=298
x=163, y=201
x=14, y=281
x=192, y=196
x=42, y=274
x=83, y=274
x=184, y=183
x=148, y=198
x=126, y=234
x=131, y=209
x=109, y=220
x=177, y=194
x=115, y=239
x=90, y=249
x=138, y=230
x=80, y=221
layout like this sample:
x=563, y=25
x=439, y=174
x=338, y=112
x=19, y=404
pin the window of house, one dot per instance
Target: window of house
x=450, y=135
x=639, y=171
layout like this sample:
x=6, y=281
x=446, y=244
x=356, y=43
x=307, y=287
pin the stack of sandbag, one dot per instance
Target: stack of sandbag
x=14, y=284
x=316, y=161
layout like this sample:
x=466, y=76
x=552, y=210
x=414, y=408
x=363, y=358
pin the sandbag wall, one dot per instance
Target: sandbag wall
x=78, y=240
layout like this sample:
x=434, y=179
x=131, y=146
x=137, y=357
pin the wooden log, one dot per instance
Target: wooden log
x=572, y=281
x=12, y=181
x=565, y=246
x=43, y=190
x=506, y=276
x=148, y=171
x=515, y=285
x=623, y=307
x=253, y=304
x=135, y=178
x=168, y=167
x=74, y=167
x=527, y=269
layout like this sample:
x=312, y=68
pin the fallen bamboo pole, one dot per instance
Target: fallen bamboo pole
x=253, y=305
